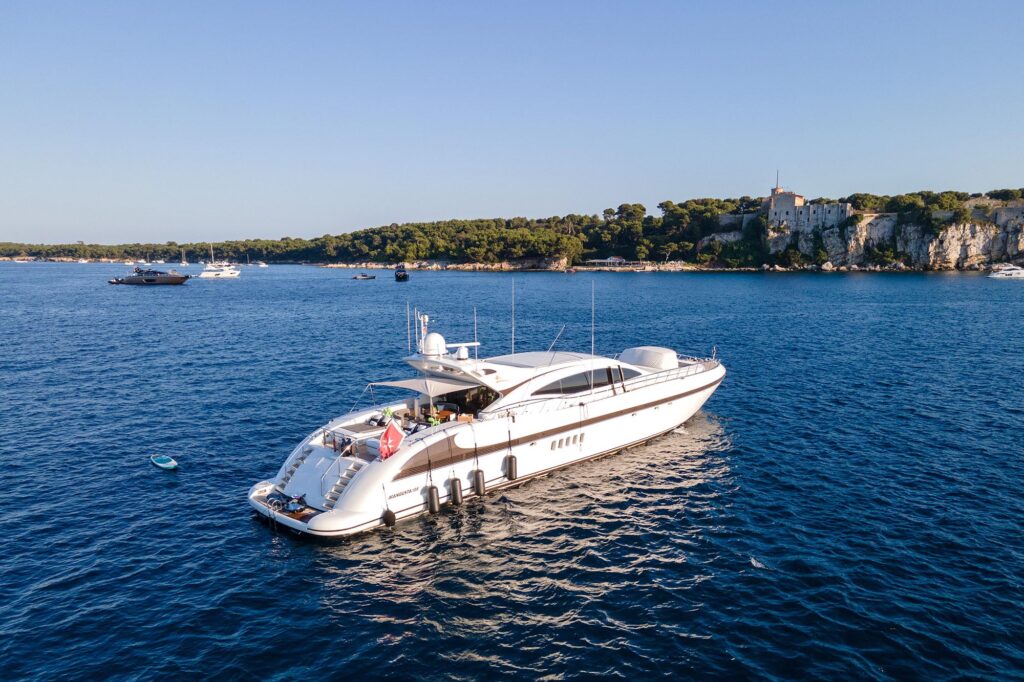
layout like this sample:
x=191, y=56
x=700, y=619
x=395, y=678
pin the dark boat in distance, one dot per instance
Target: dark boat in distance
x=364, y=276
x=400, y=274
x=151, y=277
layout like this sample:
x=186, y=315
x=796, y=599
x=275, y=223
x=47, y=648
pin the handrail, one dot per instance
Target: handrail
x=337, y=460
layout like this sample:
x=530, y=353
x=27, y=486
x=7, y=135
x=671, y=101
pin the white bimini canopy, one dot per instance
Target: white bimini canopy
x=428, y=385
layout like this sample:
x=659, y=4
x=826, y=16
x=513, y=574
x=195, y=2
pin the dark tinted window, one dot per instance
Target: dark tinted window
x=628, y=373
x=602, y=377
x=572, y=384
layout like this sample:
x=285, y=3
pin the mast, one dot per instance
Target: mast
x=476, y=353
x=408, y=327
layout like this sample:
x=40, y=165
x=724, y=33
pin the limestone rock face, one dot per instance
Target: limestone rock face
x=724, y=237
x=971, y=244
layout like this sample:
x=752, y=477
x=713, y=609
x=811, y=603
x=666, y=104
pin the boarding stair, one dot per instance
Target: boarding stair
x=332, y=495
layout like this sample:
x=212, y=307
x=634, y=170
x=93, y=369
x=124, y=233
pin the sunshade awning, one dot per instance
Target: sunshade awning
x=428, y=386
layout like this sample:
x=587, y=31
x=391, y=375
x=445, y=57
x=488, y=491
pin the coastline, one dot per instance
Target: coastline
x=514, y=267
x=677, y=267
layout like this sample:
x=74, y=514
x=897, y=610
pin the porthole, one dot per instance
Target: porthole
x=553, y=443
x=575, y=439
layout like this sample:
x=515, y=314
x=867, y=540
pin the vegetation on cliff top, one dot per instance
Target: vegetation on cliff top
x=627, y=231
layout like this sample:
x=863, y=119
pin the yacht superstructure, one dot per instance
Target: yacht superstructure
x=1007, y=272
x=474, y=425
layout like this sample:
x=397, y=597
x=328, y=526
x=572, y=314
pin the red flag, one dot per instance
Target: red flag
x=390, y=440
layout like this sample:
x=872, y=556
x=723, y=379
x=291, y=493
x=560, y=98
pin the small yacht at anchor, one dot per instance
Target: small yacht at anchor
x=1006, y=272
x=149, y=277
x=215, y=270
x=474, y=425
x=219, y=271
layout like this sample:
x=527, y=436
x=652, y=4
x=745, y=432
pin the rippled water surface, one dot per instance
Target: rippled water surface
x=848, y=504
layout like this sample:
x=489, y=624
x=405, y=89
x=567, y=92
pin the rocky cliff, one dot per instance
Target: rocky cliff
x=883, y=237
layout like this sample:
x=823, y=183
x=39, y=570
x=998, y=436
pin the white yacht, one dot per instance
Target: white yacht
x=215, y=270
x=1007, y=272
x=472, y=426
x=219, y=271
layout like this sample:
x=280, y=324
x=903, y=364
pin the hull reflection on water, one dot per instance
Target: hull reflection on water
x=572, y=534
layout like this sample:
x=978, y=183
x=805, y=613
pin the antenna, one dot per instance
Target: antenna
x=408, y=327
x=476, y=353
x=592, y=317
x=592, y=371
x=556, y=340
x=513, y=317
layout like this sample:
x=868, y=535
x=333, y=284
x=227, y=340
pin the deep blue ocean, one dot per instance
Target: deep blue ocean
x=849, y=504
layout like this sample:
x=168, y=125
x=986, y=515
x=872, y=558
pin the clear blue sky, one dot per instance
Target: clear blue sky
x=153, y=121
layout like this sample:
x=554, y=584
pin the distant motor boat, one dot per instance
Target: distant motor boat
x=1006, y=272
x=215, y=270
x=401, y=275
x=159, y=262
x=219, y=271
x=261, y=264
x=82, y=260
x=363, y=275
x=146, y=277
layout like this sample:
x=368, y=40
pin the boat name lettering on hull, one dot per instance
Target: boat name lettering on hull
x=399, y=494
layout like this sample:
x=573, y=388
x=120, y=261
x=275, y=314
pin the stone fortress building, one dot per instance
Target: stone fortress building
x=789, y=209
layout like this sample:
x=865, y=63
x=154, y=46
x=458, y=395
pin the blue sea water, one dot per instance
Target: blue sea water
x=847, y=505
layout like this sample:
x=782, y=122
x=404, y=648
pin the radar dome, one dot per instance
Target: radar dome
x=434, y=345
